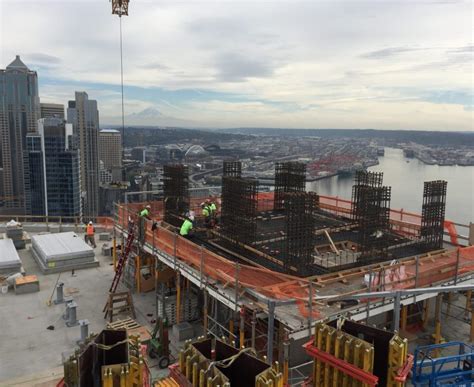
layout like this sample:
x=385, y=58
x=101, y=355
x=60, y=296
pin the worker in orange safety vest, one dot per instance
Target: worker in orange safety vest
x=90, y=232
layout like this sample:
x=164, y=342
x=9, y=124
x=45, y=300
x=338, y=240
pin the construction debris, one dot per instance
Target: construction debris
x=15, y=232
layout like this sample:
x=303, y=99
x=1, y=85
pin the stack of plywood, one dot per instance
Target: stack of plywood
x=62, y=252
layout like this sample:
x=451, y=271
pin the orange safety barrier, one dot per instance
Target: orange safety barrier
x=431, y=269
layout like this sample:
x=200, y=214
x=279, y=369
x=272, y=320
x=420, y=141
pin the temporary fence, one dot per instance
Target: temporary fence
x=407, y=273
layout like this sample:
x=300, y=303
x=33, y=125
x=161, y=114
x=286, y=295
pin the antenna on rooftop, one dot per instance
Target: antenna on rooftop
x=120, y=8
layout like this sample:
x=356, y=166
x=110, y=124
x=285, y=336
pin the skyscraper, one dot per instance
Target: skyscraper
x=110, y=148
x=53, y=183
x=84, y=116
x=52, y=110
x=19, y=113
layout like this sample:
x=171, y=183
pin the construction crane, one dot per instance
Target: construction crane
x=120, y=8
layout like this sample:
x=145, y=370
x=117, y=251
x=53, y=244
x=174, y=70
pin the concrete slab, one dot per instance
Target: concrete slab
x=28, y=348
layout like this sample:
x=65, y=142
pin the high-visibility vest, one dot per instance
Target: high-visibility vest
x=90, y=229
x=186, y=227
x=144, y=213
x=213, y=208
x=206, y=211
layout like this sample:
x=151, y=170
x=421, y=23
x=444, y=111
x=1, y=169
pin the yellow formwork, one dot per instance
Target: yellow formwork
x=397, y=356
x=356, y=352
x=200, y=373
x=342, y=346
x=129, y=375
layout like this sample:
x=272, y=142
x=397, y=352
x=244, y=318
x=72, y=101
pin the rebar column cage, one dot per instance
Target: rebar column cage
x=175, y=193
x=289, y=177
x=299, y=230
x=363, y=179
x=239, y=209
x=432, y=214
x=232, y=168
x=373, y=221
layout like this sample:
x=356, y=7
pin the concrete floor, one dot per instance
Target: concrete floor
x=28, y=348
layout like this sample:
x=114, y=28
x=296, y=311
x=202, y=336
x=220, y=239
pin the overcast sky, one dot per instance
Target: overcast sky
x=402, y=64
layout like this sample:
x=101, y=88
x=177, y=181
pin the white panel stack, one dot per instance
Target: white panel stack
x=10, y=262
x=62, y=252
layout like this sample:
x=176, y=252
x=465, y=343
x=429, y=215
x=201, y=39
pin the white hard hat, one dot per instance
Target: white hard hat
x=148, y=206
x=90, y=222
x=191, y=218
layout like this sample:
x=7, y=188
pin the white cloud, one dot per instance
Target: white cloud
x=362, y=63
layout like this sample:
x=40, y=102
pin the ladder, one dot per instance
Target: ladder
x=109, y=305
x=123, y=257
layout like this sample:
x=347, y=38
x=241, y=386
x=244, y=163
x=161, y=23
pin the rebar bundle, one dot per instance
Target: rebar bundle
x=232, y=168
x=239, y=209
x=300, y=226
x=432, y=214
x=176, y=193
x=289, y=177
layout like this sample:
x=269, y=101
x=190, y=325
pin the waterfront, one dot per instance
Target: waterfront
x=406, y=177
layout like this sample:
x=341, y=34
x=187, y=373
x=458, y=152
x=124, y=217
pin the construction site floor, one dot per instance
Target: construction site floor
x=30, y=353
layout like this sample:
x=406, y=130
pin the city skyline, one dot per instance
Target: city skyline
x=335, y=64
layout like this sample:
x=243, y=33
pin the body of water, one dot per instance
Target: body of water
x=406, y=177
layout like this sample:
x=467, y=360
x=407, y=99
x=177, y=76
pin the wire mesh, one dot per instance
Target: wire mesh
x=232, y=168
x=432, y=214
x=289, y=177
x=300, y=226
x=175, y=192
x=239, y=209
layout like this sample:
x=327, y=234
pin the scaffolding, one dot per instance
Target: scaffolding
x=299, y=230
x=232, y=169
x=432, y=214
x=289, y=177
x=176, y=193
x=239, y=209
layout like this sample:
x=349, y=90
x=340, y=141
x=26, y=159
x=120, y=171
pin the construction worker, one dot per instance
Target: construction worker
x=145, y=213
x=207, y=213
x=212, y=206
x=89, y=237
x=187, y=226
x=142, y=216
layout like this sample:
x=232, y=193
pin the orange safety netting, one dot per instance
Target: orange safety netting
x=431, y=269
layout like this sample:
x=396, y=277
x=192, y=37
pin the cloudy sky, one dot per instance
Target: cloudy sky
x=402, y=64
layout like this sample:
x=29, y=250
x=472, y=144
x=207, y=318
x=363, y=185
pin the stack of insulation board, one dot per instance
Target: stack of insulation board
x=10, y=262
x=62, y=252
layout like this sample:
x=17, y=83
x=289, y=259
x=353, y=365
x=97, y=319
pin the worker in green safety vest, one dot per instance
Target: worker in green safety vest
x=145, y=213
x=186, y=228
x=142, y=216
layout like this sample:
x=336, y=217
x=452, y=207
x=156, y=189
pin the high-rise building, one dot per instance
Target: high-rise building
x=52, y=110
x=139, y=153
x=84, y=116
x=19, y=113
x=110, y=148
x=54, y=174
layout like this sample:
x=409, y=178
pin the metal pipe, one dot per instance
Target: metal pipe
x=310, y=307
x=396, y=311
x=270, y=332
x=403, y=292
x=254, y=325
